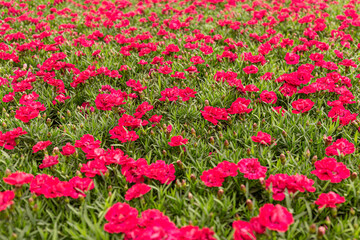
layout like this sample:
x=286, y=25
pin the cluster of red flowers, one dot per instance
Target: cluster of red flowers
x=177, y=53
x=250, y=167
x=276, y=218
x=124, y=219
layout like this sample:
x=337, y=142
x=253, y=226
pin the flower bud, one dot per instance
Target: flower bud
x=7, y=172
x=284, y=133
x=226, y=144
x=164, y=152
x=220, y=193
x=249, y=204
x=78, y=173
x=190, y=196
x=221, y=136
x=212, y=141
x=314, y=159
x=352, y=211
x=353, y=176
x=48, y=121
x=307, y=153
x=207, y=102
x=282, y=158
x=312, y=228
x=243, y=188
x=248, y=151
x=254, y=126
x=193, y=177
x=327, y=220
x=180, y=164
x=178, y=183
x=56, y=151
x=321, y=232
x=193, y=132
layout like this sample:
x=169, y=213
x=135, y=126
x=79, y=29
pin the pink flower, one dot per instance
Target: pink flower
x=292, y=58
x=213, y=114
x=340, y=147
x=49, y=161
x=18, y=178
x=68, y=149
x=251, y=168
x=6, y=199
x=268, y=97
x=262, y=138
x=26, y=113
x=41, y=146
x=250, y=69
x=243, y=231
x=212, y=178
x=81, y=185
x=136, y=191
x=330, y=169
x=93, y=168
x=122, y=218
x=178, y=141
x=293, y=183
x=302, y=105
x=329, y=200
x=276, y=218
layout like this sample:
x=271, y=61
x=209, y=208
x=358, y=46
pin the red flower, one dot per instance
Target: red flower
x=302, y=105
x=18, y=178
x=142, y=109
x=6, y=199
x=68, y=149
x=240, y=106
x=279, y=110
x=164, y=173
x=107, y=101
x=257, y=226
x=213, y=114
x=45, y=185
x=49, y=161
x=178, y=141
x=268, y=97
x=136, y=191
x=329, y=200
x=212, y=178
x=81, y=185
x=196, y=60
x=41, y=146
x=87, y=143
x=122, y=134
x=292, y=58
x=227, y=169
x=195, y=233
x=250, y=69
x=330, y=169
x=262, y=138
x=243, y=231
x=7, y=140
x=276, y=218
x=251, y=168
x=122, y=218
x=93, y=168
x=340, y=147
x=26, y=113
x=133, y=170
x=294, y=183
